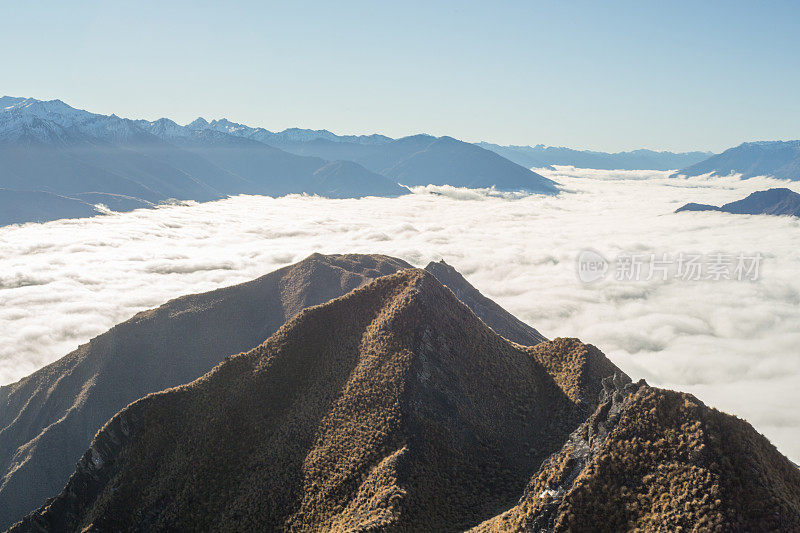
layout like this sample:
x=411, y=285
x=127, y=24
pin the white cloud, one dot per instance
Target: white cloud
x=734, y=344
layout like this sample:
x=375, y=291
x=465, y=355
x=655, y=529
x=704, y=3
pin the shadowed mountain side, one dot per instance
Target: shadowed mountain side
x=19, y=207
x=263, y=169
x=390, y=408
x=115, y=202
x=423, y=160
x=779, y=201
x=656, y=460
x=94, y=166
x=345, y=179
x=48, y=146
x=448, y=161
x=48, y=419
x=498, y=318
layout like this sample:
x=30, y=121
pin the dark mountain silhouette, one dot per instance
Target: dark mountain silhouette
x=48, y=418
x=779, y=201
x=328, y=145
x=656, y=460
x=541, y=156
x=393, y=407
x=780, y=159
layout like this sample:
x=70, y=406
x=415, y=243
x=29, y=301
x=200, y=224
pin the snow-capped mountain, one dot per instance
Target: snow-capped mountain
x=47, y=120
x=51, y=147
x=291, y=135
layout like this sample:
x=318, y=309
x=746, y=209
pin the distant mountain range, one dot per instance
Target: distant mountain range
x=50, y=147
x=390, y=408
x=62, y=162
x=779, y=159
x=49, y=418
x=541, y=156
x=779, y=201
x=414, y=160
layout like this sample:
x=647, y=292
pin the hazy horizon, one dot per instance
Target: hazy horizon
x=345, y=133
x=618, y=77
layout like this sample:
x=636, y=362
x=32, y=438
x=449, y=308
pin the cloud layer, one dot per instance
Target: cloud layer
x=733, y=343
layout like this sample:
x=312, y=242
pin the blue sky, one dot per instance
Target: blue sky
x=600, y=75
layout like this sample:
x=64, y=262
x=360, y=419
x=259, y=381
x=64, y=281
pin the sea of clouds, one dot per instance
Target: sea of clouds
x=735, y=344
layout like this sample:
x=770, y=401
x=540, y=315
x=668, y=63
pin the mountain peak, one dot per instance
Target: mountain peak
x=7, y=102
x=378, y=409
x=198, y=123
x=777, y=201
x=779, y=159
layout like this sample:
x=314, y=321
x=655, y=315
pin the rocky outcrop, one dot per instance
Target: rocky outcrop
x=656, y=460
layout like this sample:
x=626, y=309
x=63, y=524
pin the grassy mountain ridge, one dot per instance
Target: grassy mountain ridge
x=393, y=407
x=49, y=418
x=653, y=460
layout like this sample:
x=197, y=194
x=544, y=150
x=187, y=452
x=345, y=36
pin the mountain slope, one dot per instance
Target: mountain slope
x=541, y=156
x=495, y=316
x=52, y=147
x=413, y=160
x=656, y=460
x=780, y=159
x=18, y=207
x=778, y=201
x=49, y=146
x=268, y=170
x=447, y=161
x=286, y=136
x=48, y=418
x=392, y=407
